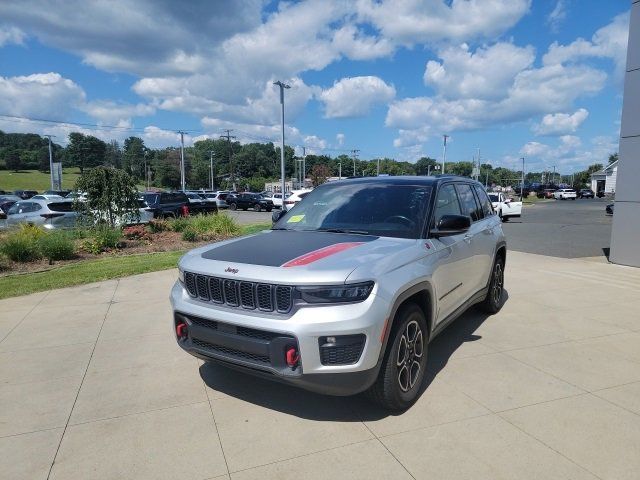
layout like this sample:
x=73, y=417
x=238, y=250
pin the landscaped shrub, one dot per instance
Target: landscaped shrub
x=180, y=223
x=189, y=234
x=157, y=226
x=212, y=225
x=57, y=245
x=101, y=239
x=31, y=231
x=4, y=263
x=21, y=246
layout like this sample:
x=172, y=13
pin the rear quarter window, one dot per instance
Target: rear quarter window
x=60, y=206
x=468, y=202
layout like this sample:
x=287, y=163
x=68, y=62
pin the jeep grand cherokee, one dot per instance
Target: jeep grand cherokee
x=346, y=290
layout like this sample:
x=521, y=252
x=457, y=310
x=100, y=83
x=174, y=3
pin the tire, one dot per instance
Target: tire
x=269, y=209
x=233, y=206
x=396, y=387
x=505, y=219
x=257, y=208
x=495, y=296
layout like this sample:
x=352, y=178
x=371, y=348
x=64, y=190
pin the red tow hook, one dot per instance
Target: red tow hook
x=292, y=356
x=181, y=331
x=185, y=211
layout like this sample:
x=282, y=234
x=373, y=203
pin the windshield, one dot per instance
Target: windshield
x=494, y=197
x=368, y=208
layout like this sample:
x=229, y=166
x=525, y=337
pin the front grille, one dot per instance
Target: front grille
x=232, y=352
x=346, y=353
x=234, y=293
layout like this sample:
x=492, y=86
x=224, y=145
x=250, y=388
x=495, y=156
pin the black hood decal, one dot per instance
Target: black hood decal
x=279, y=247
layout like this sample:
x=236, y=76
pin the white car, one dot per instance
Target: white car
x=295, y=197
x=276, y=198
x=504, y=206
x=44, y=196
x=565, y=193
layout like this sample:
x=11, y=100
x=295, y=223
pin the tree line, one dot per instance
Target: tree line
x=247, y=165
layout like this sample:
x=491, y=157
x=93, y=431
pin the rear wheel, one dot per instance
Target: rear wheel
x=404, y=364
x=257, y=207
x=494, y=300
x=233, y=206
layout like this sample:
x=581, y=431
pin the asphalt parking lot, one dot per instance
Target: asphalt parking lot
x=249, y=217
x=567, y=229
x=93, y=386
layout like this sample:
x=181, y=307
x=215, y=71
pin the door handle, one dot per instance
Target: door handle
x=467, y=238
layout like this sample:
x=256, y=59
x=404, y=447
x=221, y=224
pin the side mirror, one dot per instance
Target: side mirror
x=451, y=225
x=277, y=215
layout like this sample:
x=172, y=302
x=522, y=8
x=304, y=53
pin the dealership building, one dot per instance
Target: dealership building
x=625, y=234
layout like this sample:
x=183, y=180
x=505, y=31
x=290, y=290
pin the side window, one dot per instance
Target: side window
x=487, y=208
x=446, y=203
x=468, y=201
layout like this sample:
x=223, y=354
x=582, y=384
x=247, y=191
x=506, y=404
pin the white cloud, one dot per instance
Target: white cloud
x=413, y=22
x=486, y=73
x=340, y=139
x=557, y=15
x=609, y=41
x=355, y=96
x=47, y=95
x=9, y=35
x=110, y=112
x=561, y=123
x=357, y=46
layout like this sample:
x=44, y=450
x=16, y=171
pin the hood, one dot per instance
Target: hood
x=290, y=257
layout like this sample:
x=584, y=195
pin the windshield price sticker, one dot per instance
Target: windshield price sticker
x=295, y=219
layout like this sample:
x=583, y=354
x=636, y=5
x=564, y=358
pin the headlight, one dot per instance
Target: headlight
x=181, y=275
x=336, y=293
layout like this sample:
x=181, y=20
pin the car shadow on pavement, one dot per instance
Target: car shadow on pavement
x=227, y=382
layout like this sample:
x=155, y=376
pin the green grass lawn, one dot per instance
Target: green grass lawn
x=87, y=272
x=35, y=180
x=255, y=228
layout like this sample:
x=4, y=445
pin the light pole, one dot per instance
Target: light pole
x=53, y=186
x=339, y=170
x=282, y=180
x=378, y=173
x=211, y=166
x=444, y=151
x=522, y=182
x=182, y=176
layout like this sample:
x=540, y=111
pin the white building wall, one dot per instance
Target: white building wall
x=625, y=247
x=610, y=184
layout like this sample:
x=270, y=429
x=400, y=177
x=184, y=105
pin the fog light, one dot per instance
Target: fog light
x=330, y=340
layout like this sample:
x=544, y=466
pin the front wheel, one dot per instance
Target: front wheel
x=233, y=206
x=404, y=364
x=257, y=207
x=494, y=300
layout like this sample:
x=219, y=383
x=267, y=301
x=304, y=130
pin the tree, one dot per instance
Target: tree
x=113, y=154
x=425, y=165
x=319, y=174
x=85, y=151
x=13, y=161
x=134, y=153
x=111, y=195
x=613, y=158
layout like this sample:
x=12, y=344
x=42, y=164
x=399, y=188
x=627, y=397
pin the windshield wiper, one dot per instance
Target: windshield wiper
x=340, y=230
x=280, y=228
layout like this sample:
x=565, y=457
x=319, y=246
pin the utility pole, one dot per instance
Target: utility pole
x=486, y=179
x=354, y=155
x=53, y=186
x=378, y=173
x=282, y=86
x=182, y=176
x=228, y=137
x=339, y=170
x=304, y=166
x=522, y=182
x=553, y=178
x=444, y=152
x=211, y=166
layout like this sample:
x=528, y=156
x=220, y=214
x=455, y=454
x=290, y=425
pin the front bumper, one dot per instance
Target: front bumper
x=255, y=342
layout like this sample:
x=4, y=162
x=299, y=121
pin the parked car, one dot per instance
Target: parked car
x=276, y=198
x=199, y=205
x=219, y=198
x=6, y=201
x=586, y=193
x=346, y=291
x=25, y=194
x=43, y=196
x=505, y=207
x=165, y=204
x=564, y=194
x=62, y=193
x=609, y=209
x=78, y=196
x=246, y=200
x=49, y=214
x=295, y=197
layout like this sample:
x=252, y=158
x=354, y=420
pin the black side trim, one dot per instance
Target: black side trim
x=479, y=296
x=451, y=291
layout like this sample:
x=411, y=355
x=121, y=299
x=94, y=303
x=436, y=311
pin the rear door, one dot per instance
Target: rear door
x=485, y=240
x=453, y=255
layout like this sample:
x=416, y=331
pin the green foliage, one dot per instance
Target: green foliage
x=31, y=231
x=179, y=224
x=159, y=225
x=4, y=263
x=102, y=239
x=21, y=246
x=189, y=234
x=211, y=225
x=319, y=174
x=85, y=151
x=57, y=245
x=134, y=154
x=111, y=195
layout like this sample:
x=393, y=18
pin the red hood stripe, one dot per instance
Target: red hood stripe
x=321, y=253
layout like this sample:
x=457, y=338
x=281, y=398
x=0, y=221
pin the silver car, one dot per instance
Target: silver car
x=345, y=292
x=49, y=214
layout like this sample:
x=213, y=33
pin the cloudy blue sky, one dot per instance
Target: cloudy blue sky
x=541, y=79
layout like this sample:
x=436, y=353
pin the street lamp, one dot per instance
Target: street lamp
x=211, y=167
x=282, y=180
x=444, y=152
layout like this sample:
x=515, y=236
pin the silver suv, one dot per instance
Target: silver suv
x=346, y=290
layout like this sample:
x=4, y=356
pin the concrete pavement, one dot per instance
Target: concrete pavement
x=92, y=385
